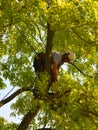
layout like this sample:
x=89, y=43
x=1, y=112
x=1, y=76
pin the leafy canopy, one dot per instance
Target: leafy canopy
x=23, y=33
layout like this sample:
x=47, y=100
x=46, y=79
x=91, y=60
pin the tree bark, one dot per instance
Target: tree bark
x=27, y=119
x=49, y=45
x=12, y=96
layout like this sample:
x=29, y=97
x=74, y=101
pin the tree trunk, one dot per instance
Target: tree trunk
x=30, y=115
x=50, y=34
x=27, y=119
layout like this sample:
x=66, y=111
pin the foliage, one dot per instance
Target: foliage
x=5, y=125
x=23, y=33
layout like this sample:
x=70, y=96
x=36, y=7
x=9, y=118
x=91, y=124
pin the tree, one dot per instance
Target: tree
x=30, y=26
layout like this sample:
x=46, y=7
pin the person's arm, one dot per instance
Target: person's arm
x=55, y=70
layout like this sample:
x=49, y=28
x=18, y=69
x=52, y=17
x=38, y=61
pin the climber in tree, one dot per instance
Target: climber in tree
x=57, y=59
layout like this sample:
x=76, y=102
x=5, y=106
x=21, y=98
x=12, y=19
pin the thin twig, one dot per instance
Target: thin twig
x=81, y=71
x=93, y=120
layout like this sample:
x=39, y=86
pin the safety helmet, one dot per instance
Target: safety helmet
x=71, y=55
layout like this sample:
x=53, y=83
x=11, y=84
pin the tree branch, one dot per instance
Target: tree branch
x=81, y=71
x=27, y=119
x=93, y=121
x=85, y=40
x=8, y=99
x=93, y=113
x=48, y=97
x=45, y=129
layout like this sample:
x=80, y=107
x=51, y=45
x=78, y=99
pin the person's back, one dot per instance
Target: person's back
x=57, y=57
